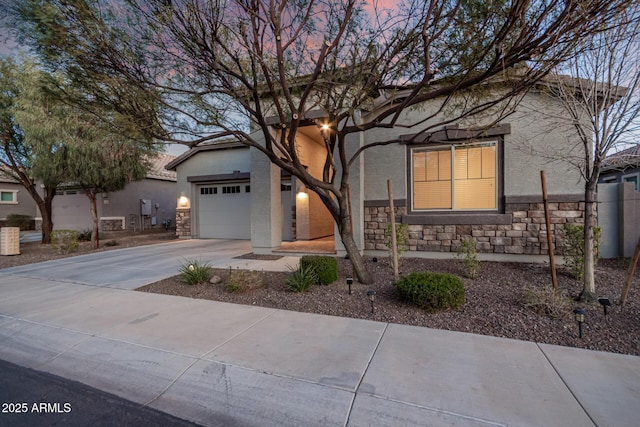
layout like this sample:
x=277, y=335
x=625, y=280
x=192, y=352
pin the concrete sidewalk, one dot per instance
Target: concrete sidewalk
x=223, y=364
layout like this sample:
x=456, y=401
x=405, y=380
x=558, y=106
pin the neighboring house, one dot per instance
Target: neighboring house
x=143, y=204
x=623, y=166
x=14, y=199
x=462, y=183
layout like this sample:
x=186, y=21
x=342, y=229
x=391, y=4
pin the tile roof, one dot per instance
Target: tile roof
x=158, y=170
x=623, y=159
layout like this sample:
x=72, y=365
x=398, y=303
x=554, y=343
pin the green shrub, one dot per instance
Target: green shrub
x=240, y=281
x=402, y=240
x=546, y=301
x=195, y=272
x=432, y=291
x=468, y=254
x=301, y=278
x=17, y=220
x=65, y=241
x=573, y=248
x=84, y=235
x=325, y=267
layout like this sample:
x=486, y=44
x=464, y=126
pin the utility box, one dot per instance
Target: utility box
x=10, y=241
x=145, y=207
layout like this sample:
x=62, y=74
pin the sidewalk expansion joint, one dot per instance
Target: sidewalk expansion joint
x=566, y=385
x=364, y=373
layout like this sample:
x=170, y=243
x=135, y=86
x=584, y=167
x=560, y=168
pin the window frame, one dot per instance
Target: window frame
x=442, y=145
x=14, y=197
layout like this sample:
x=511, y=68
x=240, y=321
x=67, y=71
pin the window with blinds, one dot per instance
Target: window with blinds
x=461, y=177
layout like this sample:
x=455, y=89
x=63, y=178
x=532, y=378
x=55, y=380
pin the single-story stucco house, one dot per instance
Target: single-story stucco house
x=462, y=183
x=143, y=204
x=623, y=166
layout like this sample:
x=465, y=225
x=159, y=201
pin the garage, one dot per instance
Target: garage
x=224, y=210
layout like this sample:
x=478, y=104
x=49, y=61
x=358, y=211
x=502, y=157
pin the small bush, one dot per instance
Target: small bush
x=65, y=241
x=573, y=248
x=195, y=272
x=84, y=235
x=547, y=302
x=240, y=281
x=25, y=222
x=432, y=291
x=325, y=267
x=301, y=278
x=468, y=254
x=111, y=243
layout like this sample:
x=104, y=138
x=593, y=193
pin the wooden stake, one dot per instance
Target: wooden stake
x=547, y=220
x=394, y=243
x=632, y=270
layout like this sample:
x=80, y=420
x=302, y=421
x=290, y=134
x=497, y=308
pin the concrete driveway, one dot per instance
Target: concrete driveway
x=131, y=268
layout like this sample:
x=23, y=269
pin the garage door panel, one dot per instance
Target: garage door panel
x=225, y=216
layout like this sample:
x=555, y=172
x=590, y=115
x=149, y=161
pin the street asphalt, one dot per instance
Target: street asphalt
x=222, y=364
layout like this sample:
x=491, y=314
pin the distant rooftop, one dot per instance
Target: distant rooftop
x=623, y=159
x=158, y=170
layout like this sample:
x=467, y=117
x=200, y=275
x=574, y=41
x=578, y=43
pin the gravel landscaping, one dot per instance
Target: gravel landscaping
x=496, y=301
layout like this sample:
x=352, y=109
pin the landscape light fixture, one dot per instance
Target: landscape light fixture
x=579, y=312
x=604, y=302
x=372, y=298
x=349, y=283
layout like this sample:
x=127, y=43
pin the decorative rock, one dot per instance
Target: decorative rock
x=215, y=280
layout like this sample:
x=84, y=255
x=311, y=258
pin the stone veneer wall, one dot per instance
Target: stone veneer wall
x=110, y=224
x=183, y=223
x=522, y=229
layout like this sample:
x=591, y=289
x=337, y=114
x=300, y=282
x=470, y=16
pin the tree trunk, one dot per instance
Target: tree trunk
x=346, y=234
x=589, y=285
x=47, y=222
x=356, y=259
x=95, y=238
x=45, y=207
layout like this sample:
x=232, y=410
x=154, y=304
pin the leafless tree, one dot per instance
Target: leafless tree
x=217, y=65
x=600, y=91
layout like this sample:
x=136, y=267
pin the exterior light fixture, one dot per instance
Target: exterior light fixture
x=349, y=283
x=579, y=313
x=372, y=298
x=325, y=127
x=183, y=200
x=604, y=302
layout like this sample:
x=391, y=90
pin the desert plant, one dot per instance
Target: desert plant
x=194, y=272
x=65, y=241
x=239, y=281
x=84, y=235
x=111, y=243
x=18, y=220
x=402, y=240
x=573, y=248
x=301, y=278
x=468, y=255
x=432, y=291
x=325, y=267
x=546, y=301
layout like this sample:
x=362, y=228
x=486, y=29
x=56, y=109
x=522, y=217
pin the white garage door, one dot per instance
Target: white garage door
x=224, y=211
x=71, y=211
